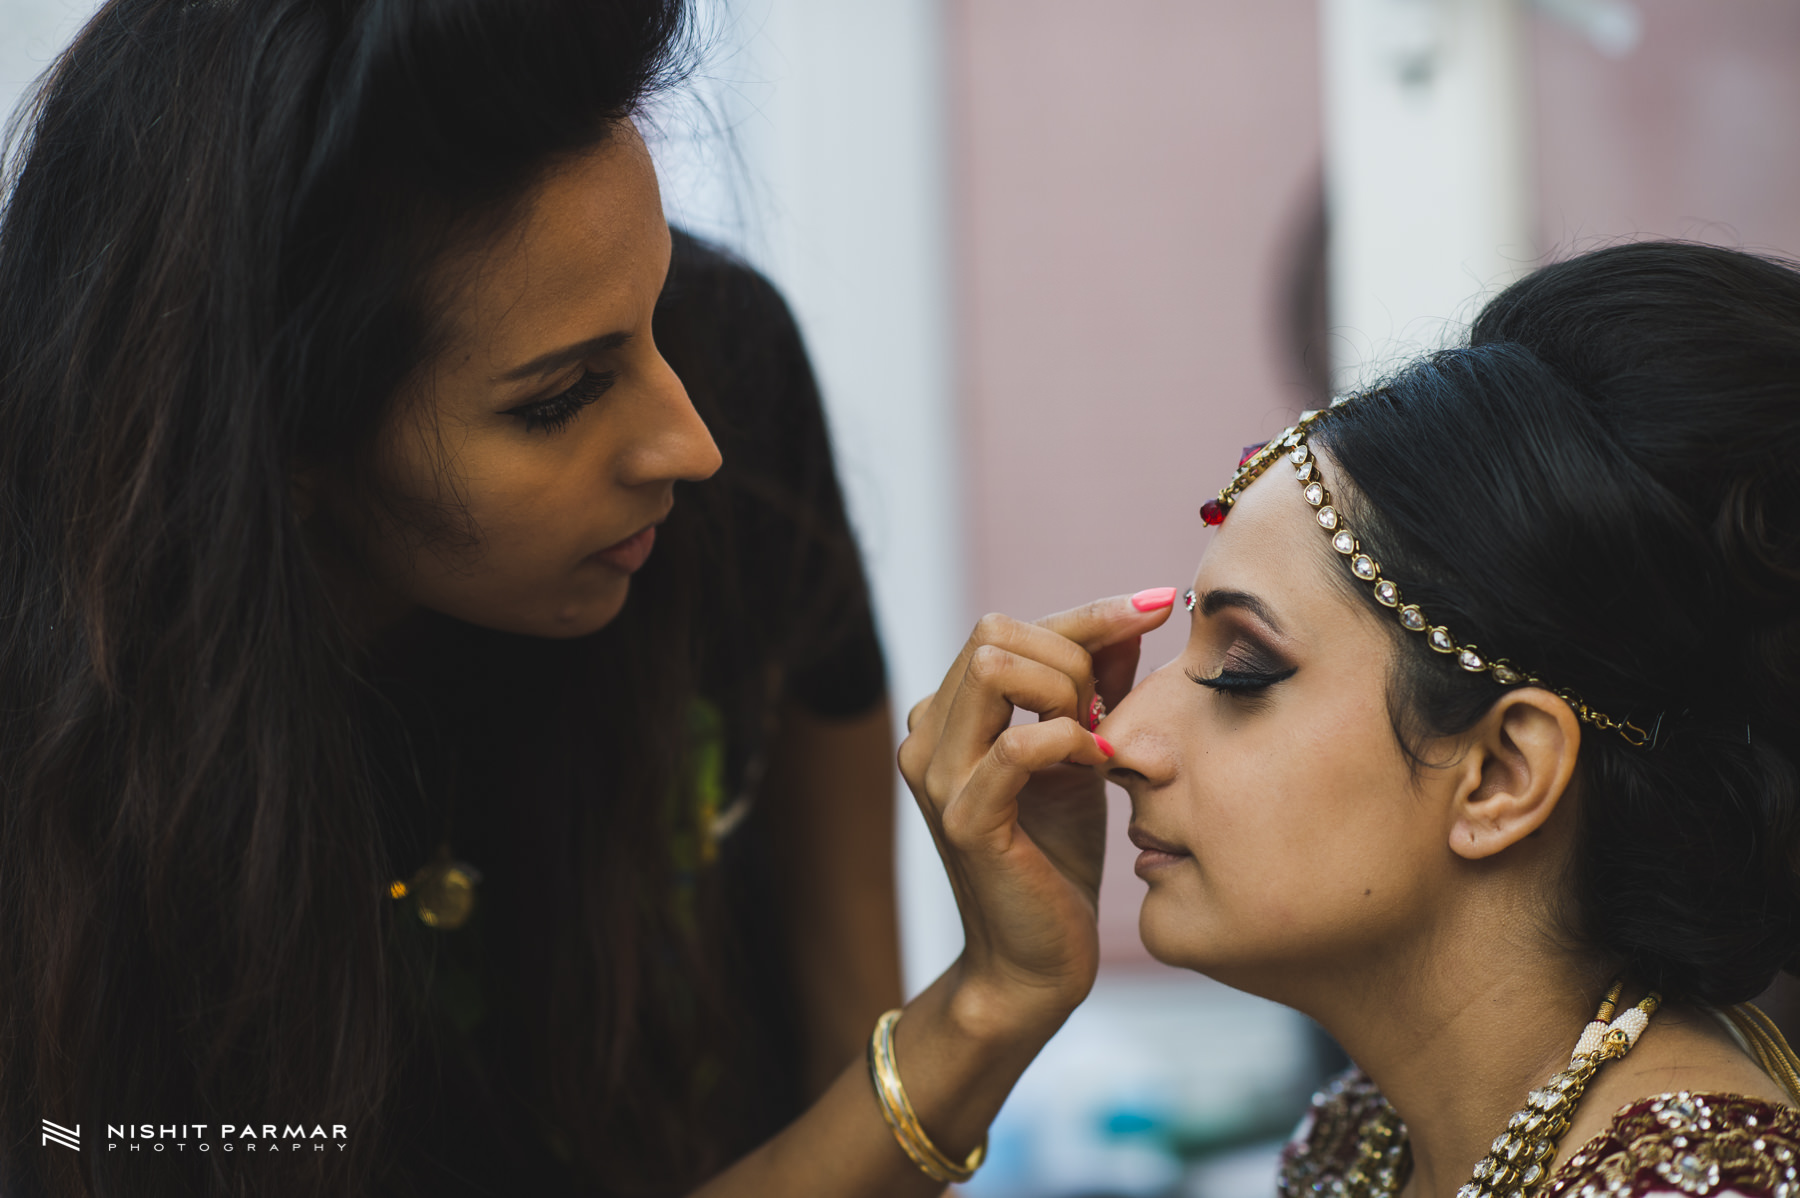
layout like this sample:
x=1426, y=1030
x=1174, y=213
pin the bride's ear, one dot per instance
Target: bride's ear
x=1521, y=758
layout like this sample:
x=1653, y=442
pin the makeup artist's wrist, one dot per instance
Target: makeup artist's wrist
x=961, y=1046
x=1000, y=1017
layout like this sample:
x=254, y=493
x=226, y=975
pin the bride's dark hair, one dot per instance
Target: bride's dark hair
x=1604, y=487
x=213, y=265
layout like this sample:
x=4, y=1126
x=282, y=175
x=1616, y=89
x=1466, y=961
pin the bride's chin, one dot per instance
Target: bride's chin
x=1165, y=934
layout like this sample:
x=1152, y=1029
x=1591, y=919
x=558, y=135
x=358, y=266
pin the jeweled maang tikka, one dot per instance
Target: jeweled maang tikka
x=1291, y=449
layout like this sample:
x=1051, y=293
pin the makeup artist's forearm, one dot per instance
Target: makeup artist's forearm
x=829, y=799
x=957, y=1073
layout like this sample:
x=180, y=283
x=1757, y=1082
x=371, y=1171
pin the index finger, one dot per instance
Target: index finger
x=1111, y=621
x=1103, y=622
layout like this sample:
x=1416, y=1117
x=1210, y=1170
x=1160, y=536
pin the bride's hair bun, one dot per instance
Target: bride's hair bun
x=1604, y=486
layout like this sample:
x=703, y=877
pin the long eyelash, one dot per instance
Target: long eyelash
x=1242, y=682
x=554, y=414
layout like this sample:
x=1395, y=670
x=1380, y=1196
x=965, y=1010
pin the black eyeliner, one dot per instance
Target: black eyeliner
x=1243, y=682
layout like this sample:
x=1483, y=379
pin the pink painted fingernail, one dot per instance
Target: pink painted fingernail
x=1096, y=712
x=1153, y=599
x=1104, y=746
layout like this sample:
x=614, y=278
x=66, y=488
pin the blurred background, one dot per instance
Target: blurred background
x=1057, y=261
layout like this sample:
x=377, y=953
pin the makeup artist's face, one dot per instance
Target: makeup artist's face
x=1296, y=840
x=550, y=427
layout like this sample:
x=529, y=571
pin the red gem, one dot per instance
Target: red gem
x=1251, y=451
x=1213, y=512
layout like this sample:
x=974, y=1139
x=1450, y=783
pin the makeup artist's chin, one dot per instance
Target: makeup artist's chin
x=598, y=590
x=598, y=604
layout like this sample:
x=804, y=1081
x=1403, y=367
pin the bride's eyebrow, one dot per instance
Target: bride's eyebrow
x=1213, y=602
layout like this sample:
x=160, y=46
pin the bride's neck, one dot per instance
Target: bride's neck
x=1457, y=1032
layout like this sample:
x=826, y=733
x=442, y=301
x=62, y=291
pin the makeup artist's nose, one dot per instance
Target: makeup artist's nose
x=677, y=446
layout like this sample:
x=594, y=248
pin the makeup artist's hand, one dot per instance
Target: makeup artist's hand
x=1018, y=811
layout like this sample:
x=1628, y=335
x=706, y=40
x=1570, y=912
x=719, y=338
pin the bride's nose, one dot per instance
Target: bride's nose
x=1139, y=728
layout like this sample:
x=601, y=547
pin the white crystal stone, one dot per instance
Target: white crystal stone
x=1304, y=473
x=1441, y=639
x=1387, y=593
x=1471, y=661
x=1328, y=517
x=1299, y=455
x=1363, y=566
x=1315, y=494
x=1412, y=617
x=1344, y=542
x=1506, y=675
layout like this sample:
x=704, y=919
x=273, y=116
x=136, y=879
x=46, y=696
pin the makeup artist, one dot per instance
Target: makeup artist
x=409, y=725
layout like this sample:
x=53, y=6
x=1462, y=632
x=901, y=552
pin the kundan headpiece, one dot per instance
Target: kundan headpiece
x=1291, y=448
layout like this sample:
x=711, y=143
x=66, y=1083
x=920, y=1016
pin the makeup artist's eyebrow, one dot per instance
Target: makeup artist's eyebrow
x=1213, y=602
x=556, y=359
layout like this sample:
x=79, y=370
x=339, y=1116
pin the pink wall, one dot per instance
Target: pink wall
x=1696, y=134
x=1132, y=181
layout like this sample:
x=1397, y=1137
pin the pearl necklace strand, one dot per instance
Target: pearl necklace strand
x=1520, y=1158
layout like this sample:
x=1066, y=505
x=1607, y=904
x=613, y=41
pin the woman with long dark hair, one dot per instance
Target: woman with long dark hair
x=354, y=827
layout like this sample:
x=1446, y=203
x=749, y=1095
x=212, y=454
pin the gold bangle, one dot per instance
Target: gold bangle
x=901, y=1119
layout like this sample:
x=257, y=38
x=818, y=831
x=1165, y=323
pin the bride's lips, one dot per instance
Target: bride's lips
x=1157, y=853
x=631, y=553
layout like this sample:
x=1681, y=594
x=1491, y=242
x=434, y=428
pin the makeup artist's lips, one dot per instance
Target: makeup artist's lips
x=1157, y=853
x=629, y=555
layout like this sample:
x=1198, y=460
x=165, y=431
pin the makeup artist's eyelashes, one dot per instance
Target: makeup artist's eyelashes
x=1242, y=682
x=554, y=414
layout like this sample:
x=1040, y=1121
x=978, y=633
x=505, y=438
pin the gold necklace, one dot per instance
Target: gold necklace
x=1521, y=1156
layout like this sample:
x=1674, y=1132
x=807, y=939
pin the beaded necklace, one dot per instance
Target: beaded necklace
x=1521, y=1156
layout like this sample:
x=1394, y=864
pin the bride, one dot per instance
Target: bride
x=1483, y=750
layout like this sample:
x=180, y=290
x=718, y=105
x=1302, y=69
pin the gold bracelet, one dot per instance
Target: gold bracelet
x=898, y=1111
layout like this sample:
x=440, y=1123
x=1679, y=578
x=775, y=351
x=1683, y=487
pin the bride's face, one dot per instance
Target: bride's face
x=1284, y=830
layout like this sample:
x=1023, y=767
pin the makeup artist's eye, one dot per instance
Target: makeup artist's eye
x=1242, y=682
x=554, y=414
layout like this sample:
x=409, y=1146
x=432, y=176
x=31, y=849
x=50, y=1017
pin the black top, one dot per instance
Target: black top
x=783, y=614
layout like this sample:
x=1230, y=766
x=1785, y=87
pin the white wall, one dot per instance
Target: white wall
x=1426, y=168
x=31, y=33
x=820, y=156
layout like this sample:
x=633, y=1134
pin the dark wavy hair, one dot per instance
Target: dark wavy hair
x=220, y=222
x=1604, y=487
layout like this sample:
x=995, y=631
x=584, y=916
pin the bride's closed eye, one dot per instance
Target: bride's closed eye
x=1243, y=681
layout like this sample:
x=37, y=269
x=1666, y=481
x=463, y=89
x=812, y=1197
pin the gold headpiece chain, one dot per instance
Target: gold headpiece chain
x=1292, y=446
